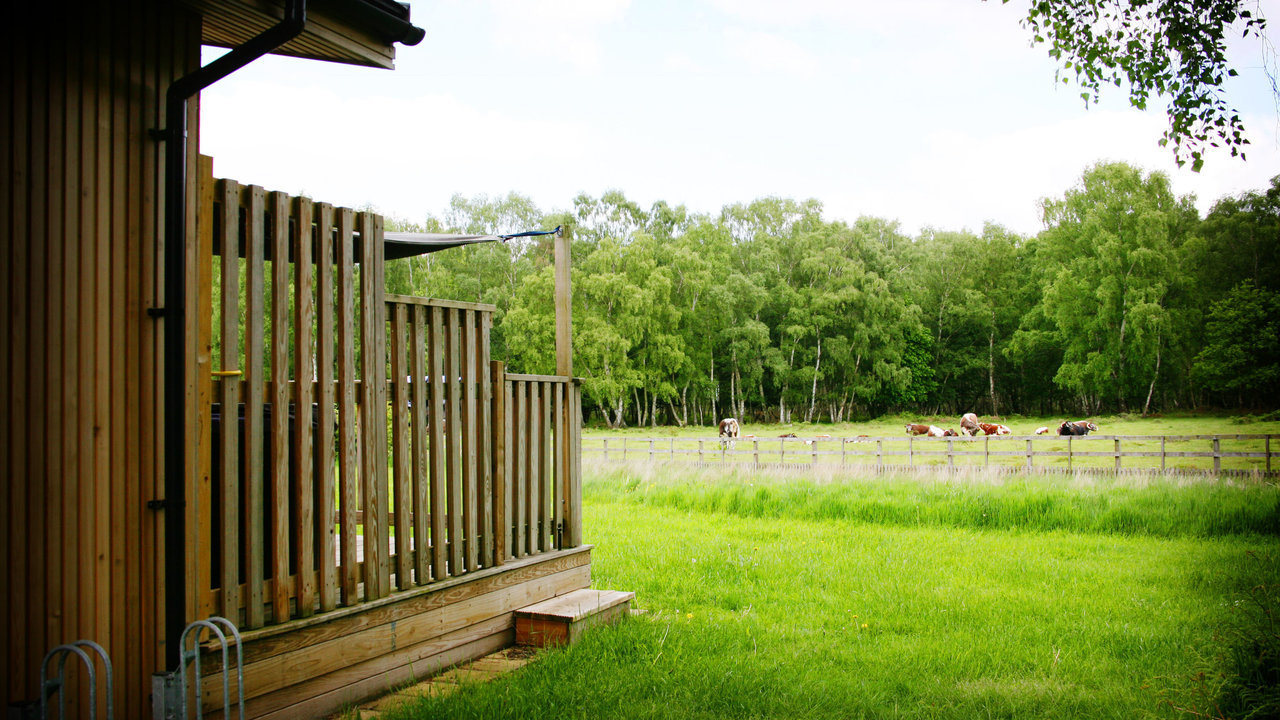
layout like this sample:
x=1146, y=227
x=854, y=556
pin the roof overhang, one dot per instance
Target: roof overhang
x=354, y=32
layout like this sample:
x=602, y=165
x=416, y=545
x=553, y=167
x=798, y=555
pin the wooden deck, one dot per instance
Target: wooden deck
x=310, y=667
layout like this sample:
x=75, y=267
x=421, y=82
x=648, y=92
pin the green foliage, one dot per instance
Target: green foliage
x=1176, y=50
x=768, y=312
x=1242, y=349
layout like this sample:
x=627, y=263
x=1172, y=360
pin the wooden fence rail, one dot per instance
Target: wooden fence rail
x=1201, y=453
x=358, y=444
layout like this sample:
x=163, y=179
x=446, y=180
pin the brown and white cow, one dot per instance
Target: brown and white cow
x=992, y=429
x=917, y=429
x=969, y=424
x=729, y=432
x=1042, y=430
x=1077, y=427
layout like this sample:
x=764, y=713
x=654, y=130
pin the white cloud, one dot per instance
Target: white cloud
x=563, y=29
x=770, y=52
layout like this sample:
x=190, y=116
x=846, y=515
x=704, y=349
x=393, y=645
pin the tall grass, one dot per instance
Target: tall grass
x=1174, y=506
x=923, y=597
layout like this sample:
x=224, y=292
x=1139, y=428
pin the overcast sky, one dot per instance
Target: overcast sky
x=934, y=113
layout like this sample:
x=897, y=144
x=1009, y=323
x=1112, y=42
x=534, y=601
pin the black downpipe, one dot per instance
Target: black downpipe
x=174, y=311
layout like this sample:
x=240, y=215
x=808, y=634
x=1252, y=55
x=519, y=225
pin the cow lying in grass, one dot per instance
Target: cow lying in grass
x=930, y=430
x=991, y=429
x=1078, y=427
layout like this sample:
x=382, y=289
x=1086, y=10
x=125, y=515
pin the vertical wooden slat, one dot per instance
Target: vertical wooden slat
x=437, y=455
x=420, y=470
x=373, y=415
x=453, y=433
x=574, y=519
x=520, y=468
x=36, y=280
x=90, y=233
x=400, y=448
x=67, y=623
x=371, y=234
x=325, y=398
x=9, y=537
x=255, y=315
x=27, y=622
x=348, y=460
x=470, y=474
x=201, y=306
x=500, y=526
x=109, y=523
x=279, y=493
x=536, y=453
x=561, y=462
x=303, y=490
x=486, y=438
x=547, y=478
x=229, y=400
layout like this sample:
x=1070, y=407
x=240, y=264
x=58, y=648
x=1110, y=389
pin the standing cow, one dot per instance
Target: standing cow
x=969, y=424
x=729, y=432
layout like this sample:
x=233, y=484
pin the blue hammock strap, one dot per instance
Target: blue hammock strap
x=532, y=233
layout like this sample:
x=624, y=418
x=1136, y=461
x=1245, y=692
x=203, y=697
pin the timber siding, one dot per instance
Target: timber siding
x=81, y=208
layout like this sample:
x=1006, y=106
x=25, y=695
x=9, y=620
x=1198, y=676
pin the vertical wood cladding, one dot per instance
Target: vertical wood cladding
x=80, y=213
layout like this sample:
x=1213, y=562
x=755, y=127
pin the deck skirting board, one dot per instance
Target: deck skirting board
x=300, y=673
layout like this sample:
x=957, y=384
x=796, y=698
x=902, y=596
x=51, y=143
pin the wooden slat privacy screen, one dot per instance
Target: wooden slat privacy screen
x=303, y=508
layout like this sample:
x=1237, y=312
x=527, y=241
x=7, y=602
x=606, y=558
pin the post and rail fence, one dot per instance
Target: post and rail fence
x=1239, y=454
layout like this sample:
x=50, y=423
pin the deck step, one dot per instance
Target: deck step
x=563, y=619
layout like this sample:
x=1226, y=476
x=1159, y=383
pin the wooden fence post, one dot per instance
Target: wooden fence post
x=606, y=449
x=1030, y=453
x=1268, y=447
x=843, y=443
x=951, y=459
x=1217, y=455
x=1068, y=453
x=700, y=451
x=1117, y=453
x=755, y=450
x=911, y=459
x=1162, y=453
x=814, y=448
x=879, y=454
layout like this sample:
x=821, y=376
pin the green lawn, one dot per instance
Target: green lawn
x=772, y=596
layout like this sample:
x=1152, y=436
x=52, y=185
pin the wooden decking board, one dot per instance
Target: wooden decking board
x=576, y=605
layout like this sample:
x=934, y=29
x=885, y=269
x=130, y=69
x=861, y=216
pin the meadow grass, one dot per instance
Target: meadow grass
x=768, y=596
x=860, y=444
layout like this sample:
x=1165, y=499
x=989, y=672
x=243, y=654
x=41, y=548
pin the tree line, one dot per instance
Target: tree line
x=1127, y=301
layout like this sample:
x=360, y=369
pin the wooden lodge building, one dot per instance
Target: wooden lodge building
x=210, y=407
